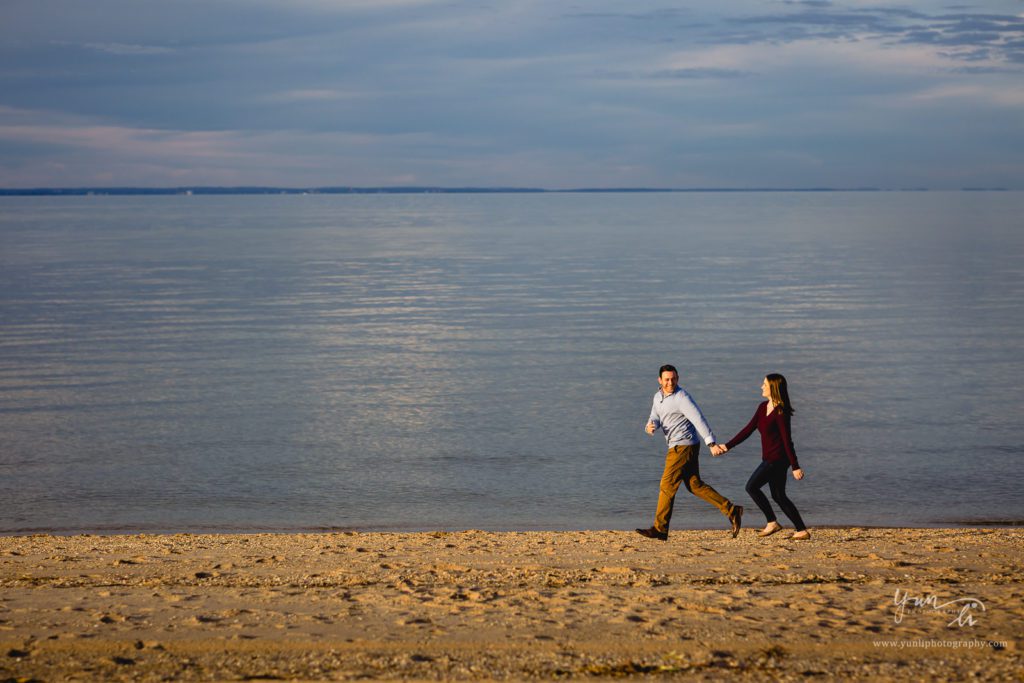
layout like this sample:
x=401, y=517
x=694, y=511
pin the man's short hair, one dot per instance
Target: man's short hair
x=667, y=368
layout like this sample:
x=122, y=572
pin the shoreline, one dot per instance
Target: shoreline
x=480, y=605
x=256, y=530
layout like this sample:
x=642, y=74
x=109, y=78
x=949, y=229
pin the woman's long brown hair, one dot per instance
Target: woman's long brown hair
x=780, y=393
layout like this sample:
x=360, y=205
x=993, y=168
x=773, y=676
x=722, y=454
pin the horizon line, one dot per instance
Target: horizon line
x=429, y=189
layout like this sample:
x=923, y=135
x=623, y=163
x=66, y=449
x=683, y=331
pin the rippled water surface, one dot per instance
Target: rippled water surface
x=488, y=361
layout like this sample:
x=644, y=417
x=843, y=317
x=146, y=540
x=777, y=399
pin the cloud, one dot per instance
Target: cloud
x=132, y=50
x=317, y=95
x=450, y=91
x=700, y=73
x=971, y=94
x=345, y=6
x=145, y=157
x=999, y=34
x=653, y=15
x=45, y=129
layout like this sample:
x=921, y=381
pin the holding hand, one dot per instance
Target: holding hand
x=798, y=474
x=718, y=449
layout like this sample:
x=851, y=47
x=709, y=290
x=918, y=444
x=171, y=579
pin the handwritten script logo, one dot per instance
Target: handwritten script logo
x=960, y=606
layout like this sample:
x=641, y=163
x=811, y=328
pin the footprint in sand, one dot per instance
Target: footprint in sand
x=112, y=618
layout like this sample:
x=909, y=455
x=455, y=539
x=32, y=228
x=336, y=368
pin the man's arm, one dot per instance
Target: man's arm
x=654, y=421
x=693, y=414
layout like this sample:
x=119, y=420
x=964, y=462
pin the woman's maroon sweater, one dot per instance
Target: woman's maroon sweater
x=776, y=442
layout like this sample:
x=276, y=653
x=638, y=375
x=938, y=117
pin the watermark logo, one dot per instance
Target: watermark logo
x=965, y=610
x=944, y=644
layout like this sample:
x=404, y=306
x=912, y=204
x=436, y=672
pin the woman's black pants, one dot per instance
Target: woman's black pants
x=773, y=474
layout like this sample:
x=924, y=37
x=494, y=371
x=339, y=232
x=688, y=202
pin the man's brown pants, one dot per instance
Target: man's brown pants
x=682, y=467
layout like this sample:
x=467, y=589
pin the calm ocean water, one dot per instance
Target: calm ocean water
x=488, y=361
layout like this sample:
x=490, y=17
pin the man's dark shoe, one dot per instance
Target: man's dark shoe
x=736, y=518
x=653, y=533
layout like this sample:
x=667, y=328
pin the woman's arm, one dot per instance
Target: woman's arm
x=787, y=440
x=743, y=433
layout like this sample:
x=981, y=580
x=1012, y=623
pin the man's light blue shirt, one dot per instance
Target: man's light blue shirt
x=680, y=419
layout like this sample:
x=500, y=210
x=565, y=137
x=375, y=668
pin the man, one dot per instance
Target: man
x=676, y=414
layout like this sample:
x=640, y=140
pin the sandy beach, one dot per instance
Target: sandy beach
x=891, y=604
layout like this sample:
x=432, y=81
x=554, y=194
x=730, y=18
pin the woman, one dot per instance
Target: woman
x=777, y=455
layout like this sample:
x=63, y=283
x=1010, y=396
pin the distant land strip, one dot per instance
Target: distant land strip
x=86, y=191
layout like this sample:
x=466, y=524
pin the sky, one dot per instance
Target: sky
x=512, y=93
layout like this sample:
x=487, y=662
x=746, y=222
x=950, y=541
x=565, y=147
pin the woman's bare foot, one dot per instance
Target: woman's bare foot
x=800, y=536
x=770, y=529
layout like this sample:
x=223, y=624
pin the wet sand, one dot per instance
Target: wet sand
x=479, y=605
